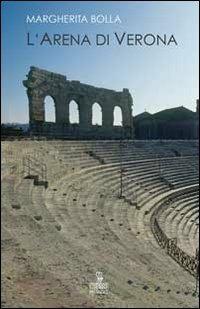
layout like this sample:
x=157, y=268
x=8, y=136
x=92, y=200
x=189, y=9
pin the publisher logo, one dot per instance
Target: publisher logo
x=98, y=287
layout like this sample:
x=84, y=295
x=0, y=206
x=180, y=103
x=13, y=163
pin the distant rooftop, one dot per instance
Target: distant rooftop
x=176, y=113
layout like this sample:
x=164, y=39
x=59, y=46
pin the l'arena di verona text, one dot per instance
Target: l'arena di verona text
x=101, y=39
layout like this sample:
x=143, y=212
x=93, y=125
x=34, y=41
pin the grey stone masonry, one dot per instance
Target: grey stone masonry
x=42, y=83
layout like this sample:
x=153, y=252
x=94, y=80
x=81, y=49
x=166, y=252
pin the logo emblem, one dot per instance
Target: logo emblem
x=98, y=287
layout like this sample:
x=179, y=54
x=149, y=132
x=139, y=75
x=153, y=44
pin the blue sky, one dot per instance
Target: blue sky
x=158, y=77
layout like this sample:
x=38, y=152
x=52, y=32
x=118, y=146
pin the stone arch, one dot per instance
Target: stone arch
x=97, y=115
x=74, y=117
x=49, y=109
x=117, y=116
x=40, y=83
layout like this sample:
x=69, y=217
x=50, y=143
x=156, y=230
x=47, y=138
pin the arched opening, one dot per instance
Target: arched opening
x=96, y=114
x=117, y=116
x=73, y=112
x=50, y=113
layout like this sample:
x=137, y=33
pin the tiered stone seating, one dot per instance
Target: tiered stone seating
x=79, y=225
x=186, y=171
x=176, y=220
x=110, y=151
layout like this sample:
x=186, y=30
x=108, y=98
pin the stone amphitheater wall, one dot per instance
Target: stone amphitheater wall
x=42, y=83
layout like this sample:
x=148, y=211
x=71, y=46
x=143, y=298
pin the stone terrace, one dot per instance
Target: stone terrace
x=55, y=239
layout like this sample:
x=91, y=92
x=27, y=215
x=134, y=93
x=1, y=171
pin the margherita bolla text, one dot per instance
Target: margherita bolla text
x=73, y=19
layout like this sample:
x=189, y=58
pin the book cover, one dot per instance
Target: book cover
x=100, y=154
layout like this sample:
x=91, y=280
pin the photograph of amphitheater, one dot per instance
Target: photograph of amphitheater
x=100, y=160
